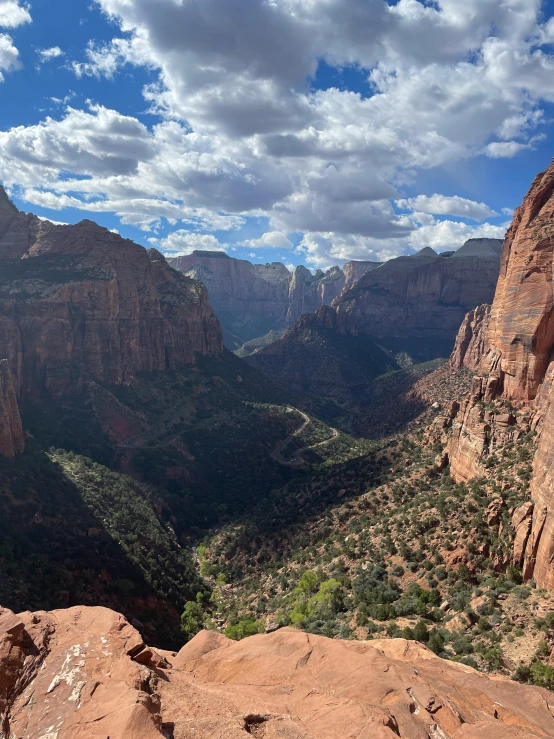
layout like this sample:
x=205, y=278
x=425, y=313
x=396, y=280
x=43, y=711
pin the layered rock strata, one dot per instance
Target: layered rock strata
x=421, y=297
x=86, y=671
x=409, y=305
x=512, y=353
x=78, y=301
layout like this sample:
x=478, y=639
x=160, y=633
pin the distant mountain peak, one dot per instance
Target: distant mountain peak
x=425, y=253
x=484, y=248
x=205, y=254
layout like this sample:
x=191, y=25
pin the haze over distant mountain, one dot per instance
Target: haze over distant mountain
x=251, y=300
x=408, y=309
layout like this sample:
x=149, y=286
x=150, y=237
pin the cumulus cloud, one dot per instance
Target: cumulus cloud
x=447, y=206
x=450, y=235
x=182, y=242
x=505, y=149
x=241, y=133
x=9, y=55
x=46, y=55
x=13, y=14
x=271, y=239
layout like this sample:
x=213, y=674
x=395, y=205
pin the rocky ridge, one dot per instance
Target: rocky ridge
x=511, y=352
x=252, y=299
x=11, y=432
x=66, y=672
x=78, y=301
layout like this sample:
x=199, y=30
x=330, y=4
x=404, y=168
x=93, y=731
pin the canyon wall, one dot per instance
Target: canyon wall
x=513, y=358
x=11, y=431
x=252, y=299
x=422, y=297
x=414, y=304
x=79, y=672
x=78, y=301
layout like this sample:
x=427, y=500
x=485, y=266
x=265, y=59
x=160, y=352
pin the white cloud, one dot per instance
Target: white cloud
x=328, y=249
x=271, y=239
x=242, y=134
x=56, y=223
x=46, y=55
x=450, y=235
x=180, y=243
x=505, y=149
x=447, y=206
x=13, y=14
x=9, y=55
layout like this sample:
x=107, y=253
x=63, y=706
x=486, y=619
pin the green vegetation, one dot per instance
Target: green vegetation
x=74, y=532
x=387, y=545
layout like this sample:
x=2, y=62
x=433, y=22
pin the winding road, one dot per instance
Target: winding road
x=137, y=441
x=297, y=460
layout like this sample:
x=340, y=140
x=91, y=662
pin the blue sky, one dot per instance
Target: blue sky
x=304, y=132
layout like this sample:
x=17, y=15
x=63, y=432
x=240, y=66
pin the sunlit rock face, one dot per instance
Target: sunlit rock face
x=69, y=672
x=512, y=351
x=422, y=297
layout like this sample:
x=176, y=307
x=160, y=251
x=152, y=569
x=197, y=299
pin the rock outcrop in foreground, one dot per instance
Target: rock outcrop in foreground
x=86, y=672
x=512, y=351
x=11, y=431
x=252, y=299
x=79, y=301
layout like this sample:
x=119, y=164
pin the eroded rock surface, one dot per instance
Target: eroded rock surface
x=11, y=432
x=512, y=352
x=473, y=339
x=80, y=300
x=85, y=672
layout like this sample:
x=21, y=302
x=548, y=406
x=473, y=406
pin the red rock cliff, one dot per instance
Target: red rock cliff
x=11, y=432
x=424, y=296
x=513, y=356
x=86, y=672
x=80, y=300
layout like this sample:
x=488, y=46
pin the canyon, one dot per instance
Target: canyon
x=251, y=300
x=405, y=312
x=70, y=673
x=144, y=436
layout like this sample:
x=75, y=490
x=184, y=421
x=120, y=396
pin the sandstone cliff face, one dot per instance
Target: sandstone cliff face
x=512, y=352
x=81, y=301
x=353, y=271
x=423, y=297
x=66, y=674
x=522, y=321
x=11, y=431
x=252, y=299
x=472, y=340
